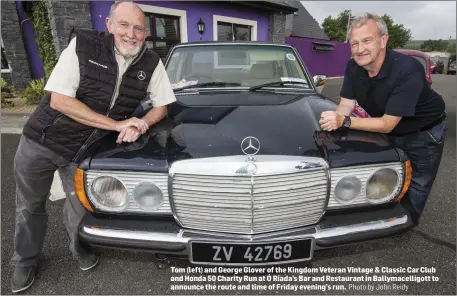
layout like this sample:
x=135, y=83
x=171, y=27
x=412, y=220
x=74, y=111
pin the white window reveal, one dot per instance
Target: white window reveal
x=232, y=29
x=6, y=67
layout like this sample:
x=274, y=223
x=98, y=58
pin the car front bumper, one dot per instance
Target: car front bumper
x=167, y=237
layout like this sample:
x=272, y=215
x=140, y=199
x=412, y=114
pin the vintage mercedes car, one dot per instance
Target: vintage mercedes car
x=240, y=173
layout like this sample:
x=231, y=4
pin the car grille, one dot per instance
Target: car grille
x=249, y=204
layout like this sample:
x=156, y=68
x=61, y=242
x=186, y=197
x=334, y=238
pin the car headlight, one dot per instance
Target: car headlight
x=126, y=192
x=347, y=189
x=148, y=196
x=369, y=184
x=109, y=193
x=382, y=185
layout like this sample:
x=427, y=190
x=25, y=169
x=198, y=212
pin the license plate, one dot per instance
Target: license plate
x=249, y=253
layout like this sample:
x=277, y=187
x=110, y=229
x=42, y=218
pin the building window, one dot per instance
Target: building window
x=5, y=65
x=231, y=29
x=164, y=33
x=229, y=32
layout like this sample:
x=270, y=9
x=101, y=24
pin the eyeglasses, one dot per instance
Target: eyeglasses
x=127, y=26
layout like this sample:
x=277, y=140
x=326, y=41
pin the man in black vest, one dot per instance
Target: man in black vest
x=393, y=89
x=99, y=80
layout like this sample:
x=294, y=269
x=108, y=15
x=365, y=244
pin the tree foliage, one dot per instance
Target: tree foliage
x=398, y=34
x=336, y=29
x=437, y=45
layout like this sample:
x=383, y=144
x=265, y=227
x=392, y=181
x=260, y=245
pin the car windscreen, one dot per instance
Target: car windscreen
x=225, y=66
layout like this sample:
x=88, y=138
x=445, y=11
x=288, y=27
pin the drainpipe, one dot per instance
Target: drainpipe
x=28, y=37
x=347, y=28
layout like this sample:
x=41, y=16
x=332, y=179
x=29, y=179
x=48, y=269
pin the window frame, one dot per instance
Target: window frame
x=236, y=25
x=236, y=21
x=181, y=15
x=153, y=30
x=9, y=70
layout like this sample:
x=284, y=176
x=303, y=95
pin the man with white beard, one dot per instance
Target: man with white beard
x=99, y=80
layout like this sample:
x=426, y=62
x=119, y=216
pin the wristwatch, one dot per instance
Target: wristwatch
x=347, y=122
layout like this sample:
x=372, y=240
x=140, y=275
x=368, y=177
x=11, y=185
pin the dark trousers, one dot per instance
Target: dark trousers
x=424, y=149
x=34, y=168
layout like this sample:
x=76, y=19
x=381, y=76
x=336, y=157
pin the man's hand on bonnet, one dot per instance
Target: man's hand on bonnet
x=331, y=120
x=140, y=124
x=128, y=134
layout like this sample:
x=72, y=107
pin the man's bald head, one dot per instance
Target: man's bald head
x=124, y=5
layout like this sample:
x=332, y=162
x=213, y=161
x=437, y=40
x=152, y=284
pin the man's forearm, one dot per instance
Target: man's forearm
x=374, y=124
x=81, y=113
x=344, y=109
x=155, y=115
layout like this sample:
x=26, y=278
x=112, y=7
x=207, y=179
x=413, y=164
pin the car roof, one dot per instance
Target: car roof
x=413, y=52
x=236, y=42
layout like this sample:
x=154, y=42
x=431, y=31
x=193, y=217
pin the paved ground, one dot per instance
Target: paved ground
x=431, y=245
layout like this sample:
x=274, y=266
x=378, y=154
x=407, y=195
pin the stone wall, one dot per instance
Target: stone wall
x=14, y=47
x=64, y=16
x=277, y=27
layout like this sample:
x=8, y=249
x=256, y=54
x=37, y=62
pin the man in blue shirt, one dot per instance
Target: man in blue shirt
x=393, y=89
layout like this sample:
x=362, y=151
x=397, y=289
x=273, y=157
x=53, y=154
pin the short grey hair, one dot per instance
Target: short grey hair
x=361, y=20
x=116, y=4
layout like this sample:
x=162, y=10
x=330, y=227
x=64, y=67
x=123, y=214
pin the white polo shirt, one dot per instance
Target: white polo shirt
x=64, y=78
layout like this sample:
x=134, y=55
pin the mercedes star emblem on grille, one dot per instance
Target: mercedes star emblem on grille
x=250, y=146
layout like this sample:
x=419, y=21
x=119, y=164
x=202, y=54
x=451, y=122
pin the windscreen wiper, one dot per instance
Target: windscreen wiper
x=214, y=83
x=279, y=83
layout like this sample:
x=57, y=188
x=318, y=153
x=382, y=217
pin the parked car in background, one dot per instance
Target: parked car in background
x=437, y=65
x=240, y=173
x=452, y=68
x=423, y=58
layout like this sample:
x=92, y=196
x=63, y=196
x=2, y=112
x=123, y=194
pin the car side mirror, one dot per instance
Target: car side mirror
x=319, y=80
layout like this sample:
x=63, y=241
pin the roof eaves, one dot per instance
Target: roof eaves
x=271, y=6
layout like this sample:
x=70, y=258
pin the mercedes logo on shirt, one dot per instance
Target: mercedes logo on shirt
x=141, y=75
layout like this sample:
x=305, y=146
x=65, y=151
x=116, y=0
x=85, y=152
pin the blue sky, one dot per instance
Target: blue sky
x=425, y=19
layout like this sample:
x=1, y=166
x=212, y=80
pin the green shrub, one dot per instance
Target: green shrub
x=34, y=91
x=44, y=39
x=7, y=92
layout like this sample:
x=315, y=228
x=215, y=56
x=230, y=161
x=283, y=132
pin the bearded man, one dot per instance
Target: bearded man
x=99, y=80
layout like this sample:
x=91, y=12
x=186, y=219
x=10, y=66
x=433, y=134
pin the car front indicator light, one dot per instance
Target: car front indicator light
x=79, y=185
x=408, y=176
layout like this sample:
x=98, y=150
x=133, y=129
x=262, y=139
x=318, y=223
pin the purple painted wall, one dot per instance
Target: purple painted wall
x=330, y=63
x=195, y=11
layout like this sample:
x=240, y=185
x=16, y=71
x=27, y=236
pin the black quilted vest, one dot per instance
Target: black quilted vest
x=98, y=75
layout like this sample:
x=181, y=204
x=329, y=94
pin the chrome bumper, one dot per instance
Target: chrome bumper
x=177, y=241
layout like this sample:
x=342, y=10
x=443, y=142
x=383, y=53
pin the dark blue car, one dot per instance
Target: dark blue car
x=239, y=173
